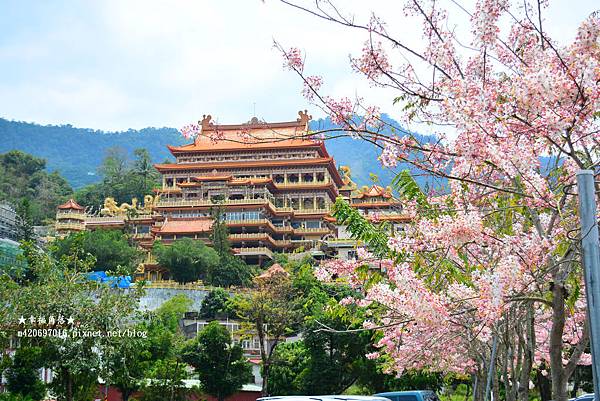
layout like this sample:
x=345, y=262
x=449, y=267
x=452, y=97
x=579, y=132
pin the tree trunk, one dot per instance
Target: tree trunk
x=543, y=385
x=263, y=356
x=528, y=350
x=69, y=384
x=559, y=382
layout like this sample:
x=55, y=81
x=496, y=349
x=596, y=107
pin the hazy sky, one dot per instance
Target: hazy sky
x=118, y=64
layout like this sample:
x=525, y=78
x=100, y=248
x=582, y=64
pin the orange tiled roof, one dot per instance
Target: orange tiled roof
x=254, y=134
x=189, y=226
x=250, y=181
x=213, y=177
x=71, y=204
x=375, y=190
x=274, y=270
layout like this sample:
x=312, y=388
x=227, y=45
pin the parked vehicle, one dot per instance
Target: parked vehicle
x=323, y=398
x=585, y=397
x=420, y=395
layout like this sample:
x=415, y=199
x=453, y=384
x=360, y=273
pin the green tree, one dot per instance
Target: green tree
x=62, y=291
x=215, y=304
x=232, y=270
x=187, y=260
x=220, y=365
x=167, y=371
x=122, y=179
x=145, y=171
x=271, y=310
x=126, y=363
x=110, y=248
x=290, y=363
x=25, y=221
x=23, y=177
x=22, y=375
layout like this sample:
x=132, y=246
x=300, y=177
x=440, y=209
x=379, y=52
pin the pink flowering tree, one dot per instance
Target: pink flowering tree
x=492, y=266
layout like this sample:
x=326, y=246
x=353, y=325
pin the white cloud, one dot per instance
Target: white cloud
x=118, y=64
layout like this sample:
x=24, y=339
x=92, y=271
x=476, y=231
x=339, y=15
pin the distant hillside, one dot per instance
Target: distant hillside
x=362, y=156
x=76, y=153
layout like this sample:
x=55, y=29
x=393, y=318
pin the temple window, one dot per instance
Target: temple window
x=293, y=178
x=312, y=224
x=320, y=177
x=295, y=203
x=308, y=204
x=308, y=177
x=320, y=203
x=278, y=178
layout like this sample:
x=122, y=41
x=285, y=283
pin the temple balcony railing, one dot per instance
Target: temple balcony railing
x=205, y=202
x=250, y=251
x=300, y=184
x=142, y=236
x=312, y=230
x=255, y=236
x=312, y=211
x=143, y=216
x=69, y=226
x=248, y=221
x=259, y=237
x=170, y=284
x=70, y=215
x=262, y=222
x=105, y=219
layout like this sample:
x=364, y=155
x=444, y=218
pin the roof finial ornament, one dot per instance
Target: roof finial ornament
x=304, y=117
x=205, y=122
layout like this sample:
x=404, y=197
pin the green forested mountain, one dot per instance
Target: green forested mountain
x=77, y=153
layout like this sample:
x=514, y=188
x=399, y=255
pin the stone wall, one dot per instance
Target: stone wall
x=155, y=297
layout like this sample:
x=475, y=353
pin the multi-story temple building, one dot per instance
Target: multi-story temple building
x=275, y=184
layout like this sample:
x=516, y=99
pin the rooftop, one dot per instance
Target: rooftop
x=71, y=204
x=182, y=226
x=254, y=134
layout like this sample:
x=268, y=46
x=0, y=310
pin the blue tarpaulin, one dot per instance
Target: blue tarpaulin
x=113, y=281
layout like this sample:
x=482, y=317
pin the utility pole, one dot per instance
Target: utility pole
x=590, y=247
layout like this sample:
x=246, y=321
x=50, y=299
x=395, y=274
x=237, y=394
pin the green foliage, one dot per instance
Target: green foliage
x=231, y=269
x=165, y=371
x=25, y=221
x=220, y=365
x=169, y=313
x=23, y=179
x=215, y=305
x=14, y=397
x=290, y=365
x=110, y=249
x=407, y=188
x=60, y=289
x=187, y=260
x=122, y=179
x=22, y=375
x=360, y=228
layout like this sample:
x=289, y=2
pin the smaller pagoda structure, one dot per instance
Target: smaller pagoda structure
x=70, y=217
